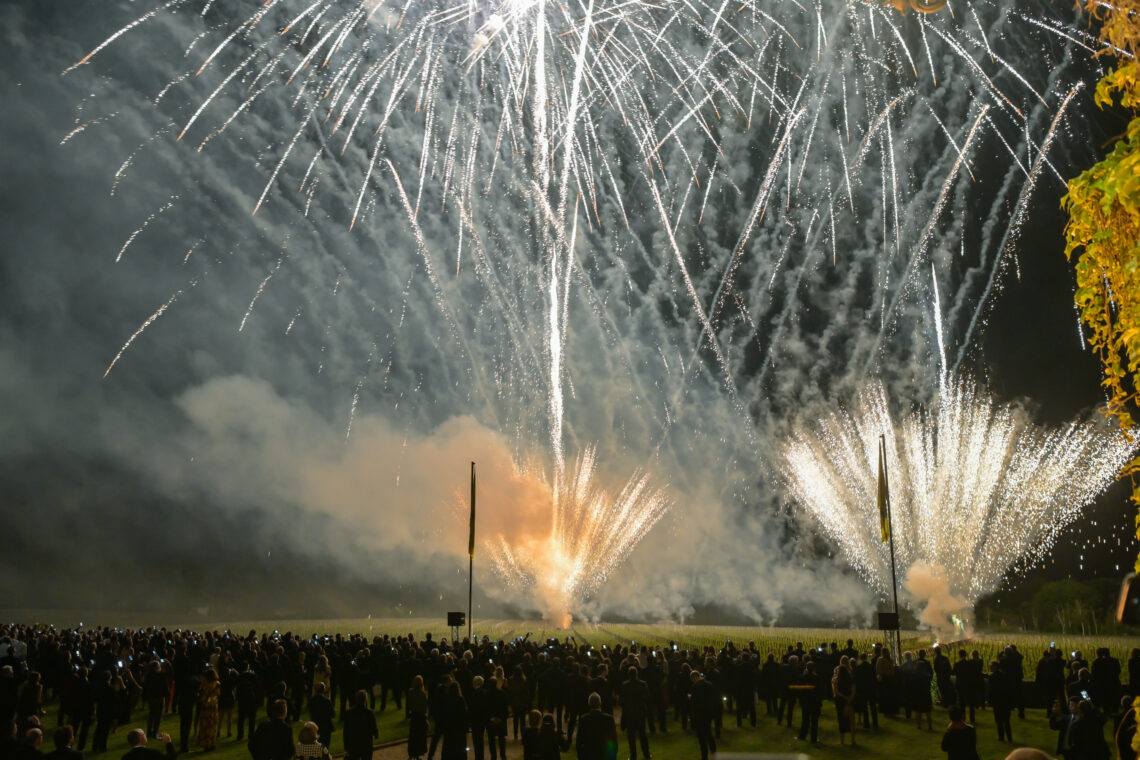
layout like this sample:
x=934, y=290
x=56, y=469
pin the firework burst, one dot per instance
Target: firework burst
x=592, y=532
x=976, y=489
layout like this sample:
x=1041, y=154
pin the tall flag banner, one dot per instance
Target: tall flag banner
x=884, y=493
x=471, y=540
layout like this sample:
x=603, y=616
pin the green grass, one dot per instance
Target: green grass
x=896, y=739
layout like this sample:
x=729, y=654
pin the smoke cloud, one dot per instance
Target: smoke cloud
x=929, y=589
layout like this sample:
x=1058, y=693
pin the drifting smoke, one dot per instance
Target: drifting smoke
x=935, y=606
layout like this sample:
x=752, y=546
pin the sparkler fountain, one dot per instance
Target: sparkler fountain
x=977, y=491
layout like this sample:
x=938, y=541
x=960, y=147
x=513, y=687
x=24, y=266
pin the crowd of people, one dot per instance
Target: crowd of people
x=553, y=696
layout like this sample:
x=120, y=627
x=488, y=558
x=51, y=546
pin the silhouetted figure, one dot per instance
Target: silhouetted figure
x=359, y=729
x=960, y=741
x=597, y=733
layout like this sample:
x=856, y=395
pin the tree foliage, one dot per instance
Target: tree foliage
x=1103, y=231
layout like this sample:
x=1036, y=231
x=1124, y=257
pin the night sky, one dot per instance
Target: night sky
x=291, y=434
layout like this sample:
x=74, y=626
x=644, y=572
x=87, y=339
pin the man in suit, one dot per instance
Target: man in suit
x=273, y=739
x=62, y=738
x=634, y=710
x=136, y=740
x=597, y=733
x=321, y=713
x=1061, y=721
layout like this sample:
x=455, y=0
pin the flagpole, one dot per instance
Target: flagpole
x=471, y=555
x=891, y=537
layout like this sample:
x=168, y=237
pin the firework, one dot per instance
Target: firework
x=976, y=489
x=592, y=532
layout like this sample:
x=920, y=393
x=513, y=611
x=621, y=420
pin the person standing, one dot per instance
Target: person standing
x=597, y=733
x=417, y=704
x=843, y=689
x=208, y=697
x=106, y=711
x=454, y=724
x=359, y=728
x=960, y=741
x=634, y=696
x=1002, y=700
x=520, y=700
x=273, y=739
x=154, y=693
x=704, y=698
x=811, y=702
x=248, y=697
x=477, y=716
x=321, y=712
x=498, y=713
x=865, y=704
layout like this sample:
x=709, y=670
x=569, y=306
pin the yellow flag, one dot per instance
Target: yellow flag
x=884, y=493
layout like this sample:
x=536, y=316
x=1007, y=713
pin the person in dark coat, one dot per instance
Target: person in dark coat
x=1002, y=699
x=321, y=713
x=808, y=691
x=1088, y=733
x=82, y=708
x=969, y=684
x=634, y=697
x=154, y=694
x=417, y=703
x=960, y=741
x=705, y=698
x=477, y=716
x=530, y=732
x=187, y=702
x=1061, y=720
x=62, y=737
x=106, y=710
x=789, y=675
x=919, y=679
x=136, y=740
x=597, y=733
x=359, y=729
x=866, y=705
x=943, y=673
x=248, y=696
x=1049, y=679
x=1105, y=678
x=273, y=739
x=453, y=724
x=498, y=713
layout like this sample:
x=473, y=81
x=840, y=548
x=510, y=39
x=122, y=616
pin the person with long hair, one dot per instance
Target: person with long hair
x=417, y=705
x=519, y=691
x=843, y=689
x=208, y=696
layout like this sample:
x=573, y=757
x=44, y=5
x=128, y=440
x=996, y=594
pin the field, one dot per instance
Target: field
x=895, y=739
